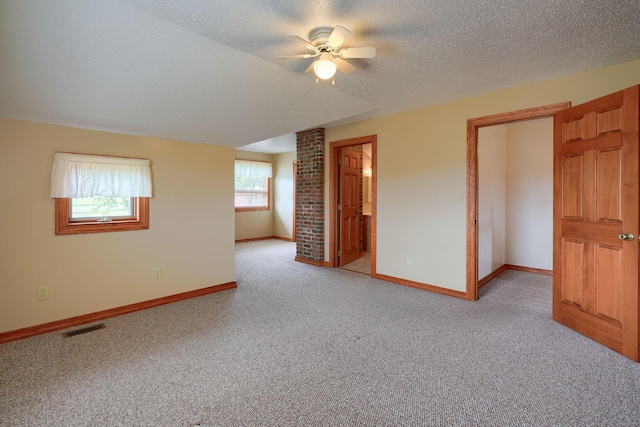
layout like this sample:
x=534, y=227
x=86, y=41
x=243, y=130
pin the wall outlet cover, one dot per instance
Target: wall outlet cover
x=43, y=293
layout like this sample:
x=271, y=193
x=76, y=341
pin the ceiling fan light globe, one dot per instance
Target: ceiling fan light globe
x=324, y=69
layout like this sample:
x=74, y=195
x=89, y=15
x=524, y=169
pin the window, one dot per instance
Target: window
x=101, y=208
x=67, y=224
x=252, y=182
x=98, y=193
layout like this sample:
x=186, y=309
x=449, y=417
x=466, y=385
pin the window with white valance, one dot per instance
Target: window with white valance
x=252, y=184
x=100, y=193
x=83, y=175
x=254, y=169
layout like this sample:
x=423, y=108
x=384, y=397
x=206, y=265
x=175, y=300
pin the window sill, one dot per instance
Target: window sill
x=262, y=208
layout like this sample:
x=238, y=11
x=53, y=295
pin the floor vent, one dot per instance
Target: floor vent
x=83, y=330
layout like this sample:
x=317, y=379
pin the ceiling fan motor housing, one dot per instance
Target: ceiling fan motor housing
x=319, y=36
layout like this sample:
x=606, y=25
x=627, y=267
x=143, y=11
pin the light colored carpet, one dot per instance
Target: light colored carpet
x=297, y=345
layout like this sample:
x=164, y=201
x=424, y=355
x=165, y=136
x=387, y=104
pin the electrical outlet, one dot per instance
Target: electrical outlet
x=43, y=293
x=157, y=273
x=412, y=260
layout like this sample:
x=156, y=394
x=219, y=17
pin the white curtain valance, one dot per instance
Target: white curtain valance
x=84, y=175
x=249, y=168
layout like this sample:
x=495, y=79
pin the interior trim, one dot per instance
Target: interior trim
x=64, y=226
x=423, y=286
x=486, y=279
x=529, y=269
x=285, y=239
x=112, y=312
x=335, y=146
x=255, y=239
x=504, y=267
x=472, y=178
x=312, y=262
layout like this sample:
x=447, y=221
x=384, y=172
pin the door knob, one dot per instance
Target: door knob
x=625, y=236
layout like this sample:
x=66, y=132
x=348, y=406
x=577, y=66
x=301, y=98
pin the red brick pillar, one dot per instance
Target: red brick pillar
x=310, y=196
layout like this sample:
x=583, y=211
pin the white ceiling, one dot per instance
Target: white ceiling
x=206, y=70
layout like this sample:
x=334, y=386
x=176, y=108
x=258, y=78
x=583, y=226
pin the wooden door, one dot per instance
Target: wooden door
x=350, y=206
x=595, y=271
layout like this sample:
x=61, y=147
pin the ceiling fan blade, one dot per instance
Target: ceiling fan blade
x=310, y=69
x=358, y=52
x=338, y=36
x=303, y=55
x=306, y=43
x=343, y=65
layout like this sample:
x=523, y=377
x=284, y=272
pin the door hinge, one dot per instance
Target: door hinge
x=339, y=161
x=339, y=253
x=339, y=207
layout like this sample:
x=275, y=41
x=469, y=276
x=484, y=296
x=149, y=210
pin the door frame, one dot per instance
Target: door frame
x=472, y=178
x=334, y=148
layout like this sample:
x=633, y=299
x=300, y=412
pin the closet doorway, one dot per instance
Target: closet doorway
x=473, y=225
x=515, y=198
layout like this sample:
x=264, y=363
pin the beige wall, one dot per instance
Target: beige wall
x=529, y=194
x=189, y=236
x=254, y=224
x=515, y=195
x=283, y=194
x=421, y=210
x=422, y=171
x=492, y=152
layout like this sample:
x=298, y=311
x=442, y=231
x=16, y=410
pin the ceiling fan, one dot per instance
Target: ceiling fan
x=325, y=44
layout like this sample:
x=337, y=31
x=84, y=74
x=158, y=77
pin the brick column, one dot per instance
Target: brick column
x=310, y=197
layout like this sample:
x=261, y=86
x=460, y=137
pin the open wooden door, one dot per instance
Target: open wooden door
x=350, y=207
x=595, y=261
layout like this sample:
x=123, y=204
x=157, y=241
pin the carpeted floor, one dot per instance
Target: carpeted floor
x=297, y=345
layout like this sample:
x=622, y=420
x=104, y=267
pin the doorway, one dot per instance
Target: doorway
x=473, y=126
x=366, y=221
x=515, y=198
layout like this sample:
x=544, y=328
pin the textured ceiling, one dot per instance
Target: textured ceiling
x=206, y=71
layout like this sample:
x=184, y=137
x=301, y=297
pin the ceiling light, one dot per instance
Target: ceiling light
x=324, y=67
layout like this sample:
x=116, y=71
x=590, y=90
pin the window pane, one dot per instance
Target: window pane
x=100, y=207
x=251, y=183
x=252, y=192
x=251, y=200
